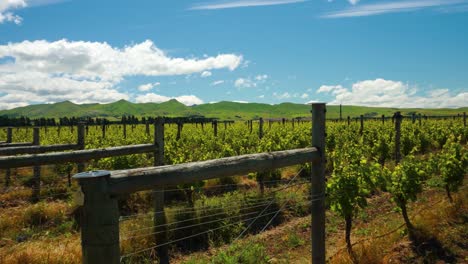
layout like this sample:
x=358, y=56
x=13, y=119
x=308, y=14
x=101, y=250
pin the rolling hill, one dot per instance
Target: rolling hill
x=222, y=110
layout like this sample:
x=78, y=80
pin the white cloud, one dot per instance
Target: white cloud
x=261, y=96
x=284, y=95
x=244, y=83
x=156, y=98
x=390, y=7
x=388, y=93
x=304, y=96
x=85, y=71
x=242, y=3
x=261, y=77
x=250, y=82
x=6, y=15
x=240, y=102
x=217, y=83
x=353, y=2
x=205, y=74
x=148, y=86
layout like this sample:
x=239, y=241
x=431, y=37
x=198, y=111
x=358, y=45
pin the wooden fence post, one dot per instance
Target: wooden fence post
x=361, y=129
x=397, y=117
x=147, y=128
x=318, y=185
x=81, y=143
x=160, y=229
x=124, y=130
x=100, y=219
x=260, y=128
x=383, y=119
x=36, y=169
x=413, y=118
x=420, y=119
x=349, y=120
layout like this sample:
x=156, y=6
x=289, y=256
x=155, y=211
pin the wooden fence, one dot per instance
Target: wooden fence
x=100, y=230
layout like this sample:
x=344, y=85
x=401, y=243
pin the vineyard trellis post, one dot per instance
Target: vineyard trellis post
x=361, y=129
x=464, y=119
x=81, y=143
x=397, y=117
x=349, y=120
x=36, y=169
x=318, y=184
x=158, y=194
x=125, y=131
x=260, y=128
x=215, y=128
x=383, y=119
x=9, y=138
x=104, y=131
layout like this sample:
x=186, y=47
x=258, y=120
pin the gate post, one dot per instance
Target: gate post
x=318, y=185
x=100, y=222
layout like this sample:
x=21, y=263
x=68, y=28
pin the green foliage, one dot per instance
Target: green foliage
x=453, y=165
x=405, y=181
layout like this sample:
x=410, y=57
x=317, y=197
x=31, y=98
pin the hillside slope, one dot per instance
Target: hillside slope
x=222, y=110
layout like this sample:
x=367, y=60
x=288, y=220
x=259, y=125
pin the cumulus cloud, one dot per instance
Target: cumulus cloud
x=388, y=93
x=148, y=86
x=156, y=98
x=82, y=71
x=304, y=96
x=6, y=15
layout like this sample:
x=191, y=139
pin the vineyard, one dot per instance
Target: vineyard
x=400, y=159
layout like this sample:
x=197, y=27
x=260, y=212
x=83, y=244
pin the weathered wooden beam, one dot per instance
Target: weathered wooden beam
x=132, y=180
x=18, y=144
x=72, y=156
x=36, y=149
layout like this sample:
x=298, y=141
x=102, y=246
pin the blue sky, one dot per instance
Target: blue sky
x=405, y=53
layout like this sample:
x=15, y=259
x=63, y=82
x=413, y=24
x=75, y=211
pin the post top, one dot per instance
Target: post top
x=91, y=174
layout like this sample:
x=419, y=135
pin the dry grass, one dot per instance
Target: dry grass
x=45, y=251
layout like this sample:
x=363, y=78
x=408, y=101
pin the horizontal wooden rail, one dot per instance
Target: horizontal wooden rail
x=72, y=156
x=132, y=180
x=37, y=149
x=18, y=144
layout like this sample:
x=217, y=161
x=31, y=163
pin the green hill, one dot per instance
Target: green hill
x=222, y=110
